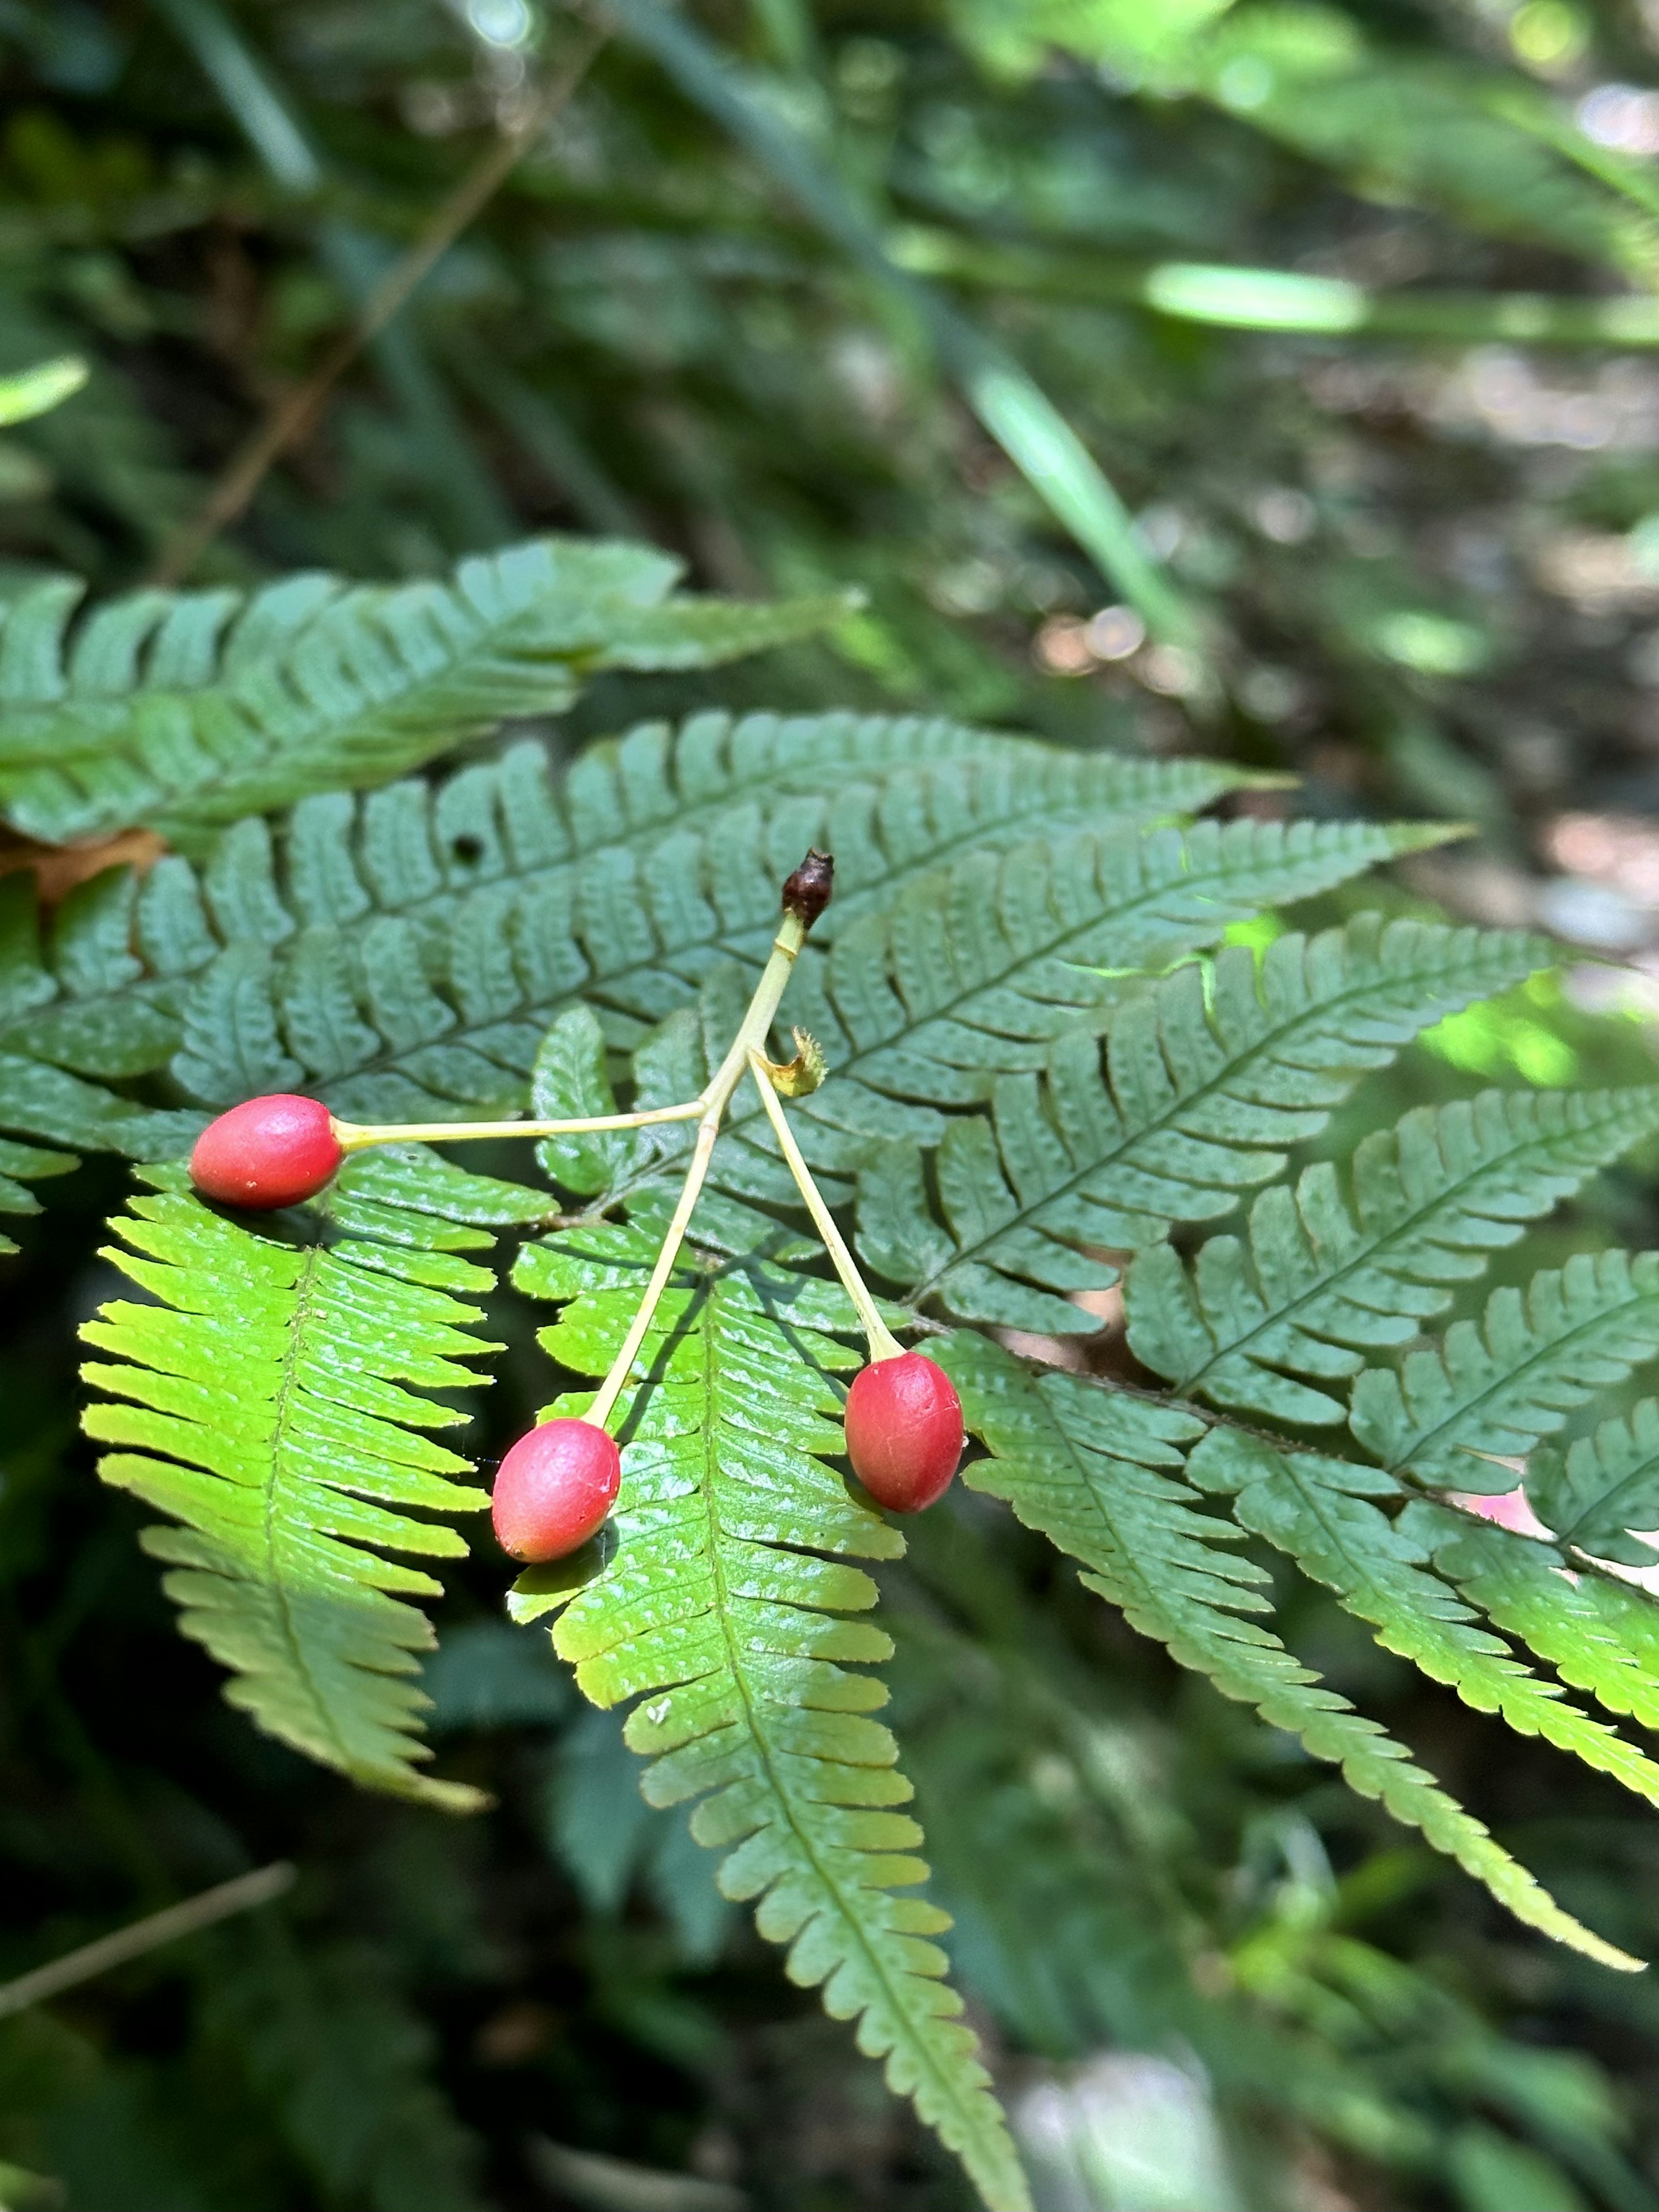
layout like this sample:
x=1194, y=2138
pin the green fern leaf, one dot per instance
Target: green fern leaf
x=1601, y=1636
x=1099, y=1473
x=1604, y=1488
x=37, y=391
x=570, y=1082
x=402, y=954
x=424, y=984
x=725, y=1608
x=89, y=1007
x=1322, y=1513
x=1201, y=1091
x=1489, y=1390
x=21, y=1165
x=185, y=710
x=273, y=1399
x=972, y=978
x=1321, y=1279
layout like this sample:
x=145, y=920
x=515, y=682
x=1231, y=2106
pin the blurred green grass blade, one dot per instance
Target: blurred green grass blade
x=246, y=92
x=1633, y=177
x=1254, y=298
x=1005, y=398
x=1226, y=296
x=37, y=391
x=1051, y=457
x=788, y=29
x=476, y=513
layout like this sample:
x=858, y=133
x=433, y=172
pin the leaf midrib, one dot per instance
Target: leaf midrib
x=1512, y=1376
x=1227, y=1073
x=739, y=943
x=288, y=1389
x=1504, y=1675
x=973, y=2122
x=1367, y=1252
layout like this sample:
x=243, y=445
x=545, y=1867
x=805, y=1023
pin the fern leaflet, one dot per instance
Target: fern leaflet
x=185, y=710
x=1604, y=1489
x=402, y=953
x=21, y=1165
x=1323, y=1514
x=1199, y=1092
x=1100, y=1474
x=972, y=975
x=60, y=1023
x=273, y=1399
x=430, y=976
x=725, y=1608
x=1319, y=1280
x=1490, y=1390
x=1600, y=1635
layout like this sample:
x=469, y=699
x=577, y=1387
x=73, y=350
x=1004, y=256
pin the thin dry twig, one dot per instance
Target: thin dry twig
x=292, y=418
x=240, y=1895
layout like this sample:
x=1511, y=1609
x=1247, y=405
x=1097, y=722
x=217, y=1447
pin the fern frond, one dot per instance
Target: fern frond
x=1323, y=1514
x=727, y=1608
x=1600, y=1635
x=424, y=981
x=972, y=976
x=1100, y=1474
x=184, y=710
x=1489, y=1390
x=21, y=1165
x=1600, y=1493
x=273, y=1398
x=89, y=1007
x=1321, y=1278
x=1199, y=1093
x=403, y=953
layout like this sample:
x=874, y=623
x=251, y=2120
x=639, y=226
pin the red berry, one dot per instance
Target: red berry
x=270, y=1152
x=555, y=1489
x=904, y=1431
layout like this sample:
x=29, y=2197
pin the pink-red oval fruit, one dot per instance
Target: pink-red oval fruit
x=269, y=1152
x=555, y=1489
x=904, y=1431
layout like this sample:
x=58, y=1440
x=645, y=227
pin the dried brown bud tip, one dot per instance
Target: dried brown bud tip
x=807, y=891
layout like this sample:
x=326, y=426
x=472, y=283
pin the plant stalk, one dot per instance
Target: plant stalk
x=883, y=1345
x=247, y=1891
x=710, y=1106
x=356, y=1136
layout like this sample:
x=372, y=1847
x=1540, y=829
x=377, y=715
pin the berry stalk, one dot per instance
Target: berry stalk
x=805, y=894
x=356, y=1136
x=883, y=1345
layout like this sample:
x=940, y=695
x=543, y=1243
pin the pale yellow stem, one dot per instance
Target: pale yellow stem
x=355, y=1136
x=600, y=1410
x=883, y=1345
x=710, y=1107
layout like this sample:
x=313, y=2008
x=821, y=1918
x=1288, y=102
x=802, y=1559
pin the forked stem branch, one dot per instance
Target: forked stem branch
x=883, y=1345
x=710, y=1109
x=357, y=1136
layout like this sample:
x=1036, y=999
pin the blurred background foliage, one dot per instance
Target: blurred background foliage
x=1280, y=381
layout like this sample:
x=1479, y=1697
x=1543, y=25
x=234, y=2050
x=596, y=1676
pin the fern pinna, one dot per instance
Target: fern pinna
x=1031, y=1053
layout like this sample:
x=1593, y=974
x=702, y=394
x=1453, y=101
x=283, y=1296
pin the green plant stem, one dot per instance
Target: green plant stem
x=1009, y=402
x=883, y=1345
x=240, y=1895
x=292, y=160
x=710, y=1106
x=357, y=1136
